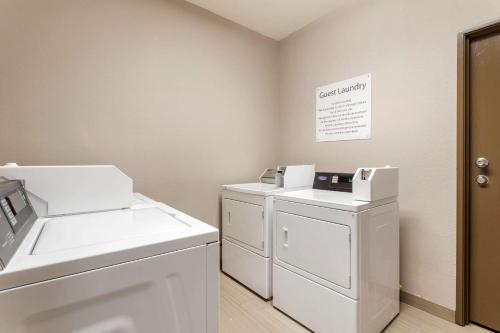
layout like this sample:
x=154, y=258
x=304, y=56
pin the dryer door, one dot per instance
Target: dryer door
x=244, y=222
x=318, y=247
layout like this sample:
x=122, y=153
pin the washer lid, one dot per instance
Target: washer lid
x=330, y=199
x=79, y=231
x=67, y=245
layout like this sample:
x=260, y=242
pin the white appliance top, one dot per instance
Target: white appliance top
x=65, y=245
x=330, y=199
x=98, y=228
x=255, y=188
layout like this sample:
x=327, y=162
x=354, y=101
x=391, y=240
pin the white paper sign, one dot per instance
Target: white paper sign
x=343, y=110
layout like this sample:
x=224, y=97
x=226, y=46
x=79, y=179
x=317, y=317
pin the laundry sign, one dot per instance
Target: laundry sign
x=343, y=110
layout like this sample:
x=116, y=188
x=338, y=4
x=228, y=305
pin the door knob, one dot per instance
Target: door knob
x=482, y=180
x=482, y=162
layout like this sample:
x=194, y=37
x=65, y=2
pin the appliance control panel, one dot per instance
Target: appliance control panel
x=333, y=181
x=268, y=176
x=16, y=218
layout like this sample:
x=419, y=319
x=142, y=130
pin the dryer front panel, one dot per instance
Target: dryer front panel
x=318, y=247
x=244, y=222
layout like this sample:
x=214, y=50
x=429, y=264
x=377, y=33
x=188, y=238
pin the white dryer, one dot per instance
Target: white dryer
x=336, y=252
x=247, y=225
x=145, y=267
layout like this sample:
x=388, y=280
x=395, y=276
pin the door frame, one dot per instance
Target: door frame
x=463, y=169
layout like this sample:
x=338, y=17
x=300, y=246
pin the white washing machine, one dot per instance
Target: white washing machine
x=336, y=252
x=247, y=225
x=133, y=266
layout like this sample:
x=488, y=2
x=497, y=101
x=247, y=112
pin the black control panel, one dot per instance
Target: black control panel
x=333, y=181
x=16, y=218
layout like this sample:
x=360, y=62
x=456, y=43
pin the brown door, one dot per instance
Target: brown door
x=485, y=168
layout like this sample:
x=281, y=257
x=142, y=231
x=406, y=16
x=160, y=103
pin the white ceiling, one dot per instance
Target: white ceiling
x=273, y=18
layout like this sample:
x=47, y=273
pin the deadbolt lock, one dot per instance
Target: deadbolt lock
x=482, y=180
x=482, y=162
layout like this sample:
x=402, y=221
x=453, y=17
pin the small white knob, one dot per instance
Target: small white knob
x=11, y=164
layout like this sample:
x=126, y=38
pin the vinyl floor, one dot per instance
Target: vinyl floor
x=241, y=311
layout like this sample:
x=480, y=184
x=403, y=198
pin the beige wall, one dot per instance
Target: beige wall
x=180, y=99
x=410, y=49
